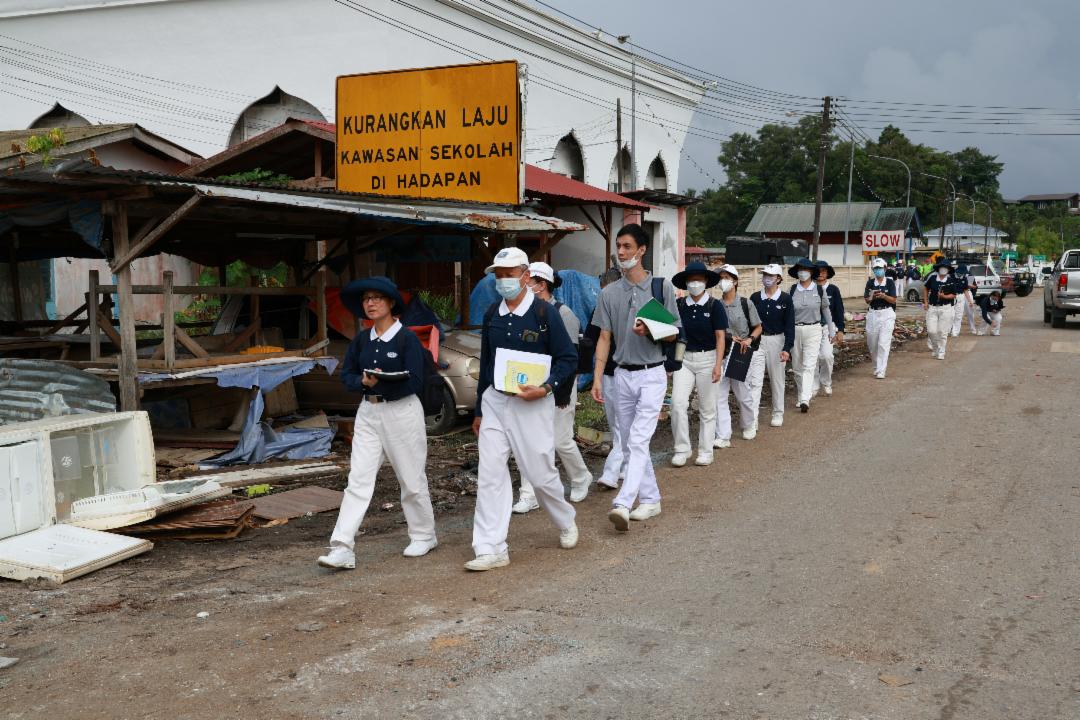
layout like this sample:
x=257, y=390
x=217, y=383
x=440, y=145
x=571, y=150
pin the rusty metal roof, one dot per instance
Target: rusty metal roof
x=80, y=138
x=547, y=185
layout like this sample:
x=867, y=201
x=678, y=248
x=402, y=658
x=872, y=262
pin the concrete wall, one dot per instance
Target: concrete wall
x=238, y=50
x=850, y=279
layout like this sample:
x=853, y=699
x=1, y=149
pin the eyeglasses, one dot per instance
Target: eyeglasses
x=373, y=298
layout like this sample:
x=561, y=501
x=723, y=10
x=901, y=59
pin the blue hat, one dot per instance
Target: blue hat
x=695, y=268
x=802, y=264
x=352, y=295
x=822, y=264
x=942, y=264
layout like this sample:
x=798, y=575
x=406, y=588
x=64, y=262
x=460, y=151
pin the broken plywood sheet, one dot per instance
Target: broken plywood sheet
x=296, y=503
x=271, y=474
x=217, y=520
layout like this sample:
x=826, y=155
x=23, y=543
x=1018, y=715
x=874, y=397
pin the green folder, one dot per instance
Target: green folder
x=654, y=310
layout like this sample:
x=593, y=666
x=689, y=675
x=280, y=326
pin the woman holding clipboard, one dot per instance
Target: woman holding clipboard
x=744, y=329
x=386, y=364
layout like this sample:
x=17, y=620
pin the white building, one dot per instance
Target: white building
x=211, y=73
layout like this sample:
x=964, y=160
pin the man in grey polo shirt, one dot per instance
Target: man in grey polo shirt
x=640, y=378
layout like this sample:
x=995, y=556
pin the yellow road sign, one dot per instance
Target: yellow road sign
x=451, y=133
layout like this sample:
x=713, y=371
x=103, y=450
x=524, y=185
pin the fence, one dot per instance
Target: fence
x=851, y=279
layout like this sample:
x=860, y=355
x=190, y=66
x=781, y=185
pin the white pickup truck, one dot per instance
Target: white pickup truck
x=1061, y=289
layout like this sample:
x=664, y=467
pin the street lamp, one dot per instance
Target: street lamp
x=972, y=216
x=941, y=237
x=989, y=224
x=907, y=198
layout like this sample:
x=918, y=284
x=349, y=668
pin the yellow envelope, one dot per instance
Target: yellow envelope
x=523, y=373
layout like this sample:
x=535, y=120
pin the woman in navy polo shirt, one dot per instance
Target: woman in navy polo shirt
x=386, y=364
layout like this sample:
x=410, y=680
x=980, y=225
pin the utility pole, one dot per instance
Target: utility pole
x=847, y=214
x=618, y=144
x=821, y=174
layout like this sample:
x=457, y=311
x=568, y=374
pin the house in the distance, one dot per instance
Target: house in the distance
x=1070, y=201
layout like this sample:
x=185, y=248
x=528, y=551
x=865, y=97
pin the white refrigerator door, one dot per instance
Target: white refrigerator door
x=22, y=492
x=63, y=552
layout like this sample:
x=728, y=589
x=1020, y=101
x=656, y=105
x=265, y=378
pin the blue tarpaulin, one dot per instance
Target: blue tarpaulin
x=83, y=216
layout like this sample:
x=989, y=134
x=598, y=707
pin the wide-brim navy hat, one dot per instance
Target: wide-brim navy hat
x=695, y=268
x=822, y=264
x=942, y=264
x=802, y=264
x=352, y=295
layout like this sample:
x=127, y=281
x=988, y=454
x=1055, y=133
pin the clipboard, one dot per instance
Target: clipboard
x=517, y=367
x=738, y=364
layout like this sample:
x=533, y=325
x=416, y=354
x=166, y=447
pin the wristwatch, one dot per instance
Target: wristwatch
x=548, y=389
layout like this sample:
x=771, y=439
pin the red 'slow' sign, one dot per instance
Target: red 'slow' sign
x=876, y=241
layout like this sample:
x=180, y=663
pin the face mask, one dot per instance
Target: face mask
x=695, y=288
x=726, y=285
x=628, y=264
x=804, y=275
x=768, y=281
x=535, y=289
x=879, y=273
x=943, y=272
x=508, y=288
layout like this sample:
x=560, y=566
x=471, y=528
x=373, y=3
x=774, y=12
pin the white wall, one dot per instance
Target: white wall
x=124, y=155
x=240, y=49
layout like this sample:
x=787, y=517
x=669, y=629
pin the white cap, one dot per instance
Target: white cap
x=772, y=269
x=543, y=271
x=878, y=262
x=510, y=257
x=730, y=270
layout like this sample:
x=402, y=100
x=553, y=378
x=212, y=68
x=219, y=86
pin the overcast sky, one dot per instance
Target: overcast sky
x=957, y=52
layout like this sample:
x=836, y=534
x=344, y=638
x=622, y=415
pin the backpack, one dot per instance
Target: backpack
x=729, y=340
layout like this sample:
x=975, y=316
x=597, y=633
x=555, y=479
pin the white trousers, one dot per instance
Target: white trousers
x=527, y=429
x=615, y=464
x=826, y=360
x=804, y=359
x=566, y=448
x=770, y=349
x=994, y=328
x=640, y=396
x=747, y=395
x=964, y=307
x=696, y=372
x=939, y=320
x=396, y=430
x=879, y=335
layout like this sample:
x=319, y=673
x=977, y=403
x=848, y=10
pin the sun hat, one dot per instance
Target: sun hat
x=772, y=269
x=545, y=272
x=822, y=264
x=510, y=257
x=695, y=268
x=352, y=295
x=801, y=264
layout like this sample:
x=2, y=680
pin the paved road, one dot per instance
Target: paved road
x=923, y=529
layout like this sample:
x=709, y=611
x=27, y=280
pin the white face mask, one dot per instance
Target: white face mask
x=943, y=272
x=768, y=281
x=726, y=285
x=804, y=275
x=628, y=264
x=695, y=288
x=508, y=288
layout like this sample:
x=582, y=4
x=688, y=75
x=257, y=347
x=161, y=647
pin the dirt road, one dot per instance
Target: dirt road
x=910, y=549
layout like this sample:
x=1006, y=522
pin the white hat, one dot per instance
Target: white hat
x=730, y=270
x=878, y=262
x=510, y=257
x=543, y=271
x=772, y=269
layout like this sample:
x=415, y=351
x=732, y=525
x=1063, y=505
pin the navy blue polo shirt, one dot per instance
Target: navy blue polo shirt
x=949, y=285
x=889, y=288
x=777, y=315
x=836, y=306
x=701, y=322
x=398, y=349
x=524, y=329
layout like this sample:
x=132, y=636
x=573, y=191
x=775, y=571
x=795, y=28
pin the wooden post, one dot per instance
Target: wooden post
x=318, y=159
x=353, y=271
x=168, y=319
x=13, y=268
x=222, y=281
x=320, y=302
x=92, y=316
x=253, y=281
x=129, y=391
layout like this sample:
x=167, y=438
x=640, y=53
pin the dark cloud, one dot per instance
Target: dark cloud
x=954, y=52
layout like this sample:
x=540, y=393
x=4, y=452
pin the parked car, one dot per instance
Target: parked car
x=914, y=291
x=1044, y=272
x=987, y=279
x=1061, y=291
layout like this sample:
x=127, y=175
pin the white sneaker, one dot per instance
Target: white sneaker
x=777, y=420
x=480, y=563
x=620, y=518
x=678, y=459
x=828, y=390
x=525, y=504
x=940, y=356
x=644, y=511
x=879, y=376
x=568, y=537
x=419, y=548
x=720, y=443
x=980, y=333
x=750, y=433
x=338, y=558
x=704, y=459
x=579, y=492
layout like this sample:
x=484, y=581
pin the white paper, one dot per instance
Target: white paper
x=504, y=357
x=659, y=331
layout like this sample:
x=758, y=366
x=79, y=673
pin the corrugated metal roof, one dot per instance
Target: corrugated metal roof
x=898, y=218
x=963, y=229
x=78, y=138
x=546, y=184
x=799, y=217
x=1051, y=196
x=36, y=389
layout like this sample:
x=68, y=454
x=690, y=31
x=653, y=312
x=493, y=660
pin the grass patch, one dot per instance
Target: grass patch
x=590, y=414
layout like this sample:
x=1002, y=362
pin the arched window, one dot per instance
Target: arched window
x=269, y=112
x=568, y=159
x=59, y=116
x=627, y=172
x=656, y=177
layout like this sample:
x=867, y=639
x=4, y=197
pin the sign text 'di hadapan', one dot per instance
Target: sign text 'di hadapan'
x=449, y=133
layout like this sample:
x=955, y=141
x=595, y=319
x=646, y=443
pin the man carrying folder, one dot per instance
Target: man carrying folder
x=522, y=337
x=640, y=377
